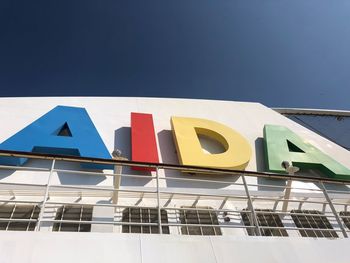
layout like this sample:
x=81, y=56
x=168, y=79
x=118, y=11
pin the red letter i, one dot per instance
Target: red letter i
x=143, y=140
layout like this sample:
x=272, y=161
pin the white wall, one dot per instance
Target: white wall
x=111, y=117
x=43, y=247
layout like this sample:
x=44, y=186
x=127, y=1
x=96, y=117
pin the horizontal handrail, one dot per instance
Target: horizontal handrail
x=187, y=168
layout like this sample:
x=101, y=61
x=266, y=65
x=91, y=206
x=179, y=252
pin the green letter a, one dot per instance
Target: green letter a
x=281, y=144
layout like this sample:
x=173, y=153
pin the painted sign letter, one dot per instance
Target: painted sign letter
x=281, y=144
x=63, y=130
x=143, y=140
x=186, y=130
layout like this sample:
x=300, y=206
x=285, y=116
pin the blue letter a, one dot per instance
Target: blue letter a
x=63, y=130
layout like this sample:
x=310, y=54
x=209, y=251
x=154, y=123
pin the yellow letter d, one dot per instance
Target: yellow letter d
x=186, y=130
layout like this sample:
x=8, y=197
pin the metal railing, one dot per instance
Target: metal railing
x=176, y=190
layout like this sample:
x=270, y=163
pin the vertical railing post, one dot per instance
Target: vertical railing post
x=251, y=207
x=287, y=196
x=158, y=203
x=42, y=208
x=330, y=203
x=117, y=173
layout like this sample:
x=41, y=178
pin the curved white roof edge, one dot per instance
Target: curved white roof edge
x=313, y=111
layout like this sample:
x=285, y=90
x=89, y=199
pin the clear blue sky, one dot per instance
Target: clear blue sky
x=278, y=52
